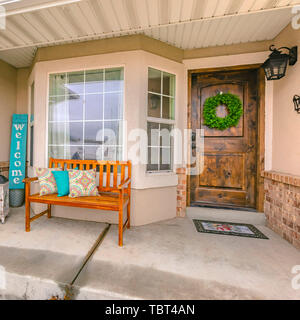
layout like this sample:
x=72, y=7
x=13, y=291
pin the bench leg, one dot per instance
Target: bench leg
x=27, y=207
x=121, y=227
x=27, y=216
x=49, y=211
x=128, y=215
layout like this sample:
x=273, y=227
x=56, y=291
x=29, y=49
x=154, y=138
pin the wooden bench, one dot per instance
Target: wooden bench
x=114, y=189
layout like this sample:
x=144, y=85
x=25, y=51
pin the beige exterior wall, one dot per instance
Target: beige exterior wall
x=22, y=90
x=228, y=50
x=8, y=94
x=281, y=123
x=109, y=45
x=146, y=186
x=145, y=43
x=286, y=122
x=14, y=99
x=143, y=209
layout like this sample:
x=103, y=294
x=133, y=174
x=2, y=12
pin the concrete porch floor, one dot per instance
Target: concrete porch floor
x=165, y=260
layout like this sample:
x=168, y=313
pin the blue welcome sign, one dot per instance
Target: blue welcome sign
x=17, y=164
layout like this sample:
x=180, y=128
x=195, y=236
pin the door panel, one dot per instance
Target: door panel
x=229, y=175
x=221, y=197
x=223, y=170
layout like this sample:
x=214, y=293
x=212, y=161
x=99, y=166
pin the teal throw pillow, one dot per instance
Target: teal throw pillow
x=62, y=182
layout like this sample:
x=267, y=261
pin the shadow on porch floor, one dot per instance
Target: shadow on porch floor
x=165, y=260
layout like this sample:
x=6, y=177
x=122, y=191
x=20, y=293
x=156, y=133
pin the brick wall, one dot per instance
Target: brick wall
x=282, y=205
x=181, y=192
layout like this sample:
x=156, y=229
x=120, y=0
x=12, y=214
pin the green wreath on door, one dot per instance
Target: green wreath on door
x=234, y=107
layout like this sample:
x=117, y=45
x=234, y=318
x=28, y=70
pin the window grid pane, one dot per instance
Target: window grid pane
x=161, y=118
x=161, y=101
x=160, y=147
x=77, y=114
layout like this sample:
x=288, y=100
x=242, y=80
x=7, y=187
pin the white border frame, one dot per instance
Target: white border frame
x=124, y=143
x=162, y=120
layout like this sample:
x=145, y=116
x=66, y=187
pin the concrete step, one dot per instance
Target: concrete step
x=226, y=215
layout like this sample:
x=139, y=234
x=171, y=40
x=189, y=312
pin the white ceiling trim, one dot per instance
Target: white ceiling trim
x=48, y=42
x=46, y=5
x=186, y=24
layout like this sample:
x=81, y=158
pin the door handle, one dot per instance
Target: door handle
x=193, y=136
x=193, y=140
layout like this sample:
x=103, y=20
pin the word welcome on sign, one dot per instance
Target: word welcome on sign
x=17, y=164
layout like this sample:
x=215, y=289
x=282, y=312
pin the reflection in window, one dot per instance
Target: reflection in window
x=160, y=147
x=161, y=94
x=85, y=114
x=161, y=120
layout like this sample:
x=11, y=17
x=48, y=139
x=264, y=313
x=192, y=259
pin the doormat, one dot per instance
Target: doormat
x=229, y=228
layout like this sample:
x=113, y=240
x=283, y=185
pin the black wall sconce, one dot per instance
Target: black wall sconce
x=275, y=66
x=296, y=101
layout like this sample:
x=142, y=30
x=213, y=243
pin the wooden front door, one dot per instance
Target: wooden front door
x=229, y=174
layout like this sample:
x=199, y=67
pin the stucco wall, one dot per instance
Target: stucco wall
x=8, y=93
x=22, y=90
x=146, y=187
x=286, y=122
x=282, y=120
x=227, y=50
x=109, y=45
x=143, y=209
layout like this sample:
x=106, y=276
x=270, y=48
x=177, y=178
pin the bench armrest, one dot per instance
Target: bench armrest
x=29, y=180
x=124, y=184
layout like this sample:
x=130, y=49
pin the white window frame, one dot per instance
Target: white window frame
x=161, y=120
x=121, y=121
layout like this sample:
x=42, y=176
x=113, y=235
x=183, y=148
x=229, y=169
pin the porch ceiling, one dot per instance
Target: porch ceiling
x=186, y=24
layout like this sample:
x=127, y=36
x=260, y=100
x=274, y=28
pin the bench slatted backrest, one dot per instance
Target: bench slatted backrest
x=111, y=173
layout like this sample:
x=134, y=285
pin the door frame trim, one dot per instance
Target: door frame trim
x=260, y=158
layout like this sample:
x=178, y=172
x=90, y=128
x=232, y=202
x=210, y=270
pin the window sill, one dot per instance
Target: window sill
x=160, y=173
